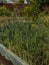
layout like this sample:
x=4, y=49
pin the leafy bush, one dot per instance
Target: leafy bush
x=4, y=11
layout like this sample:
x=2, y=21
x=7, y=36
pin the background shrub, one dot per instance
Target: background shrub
x=4, y=11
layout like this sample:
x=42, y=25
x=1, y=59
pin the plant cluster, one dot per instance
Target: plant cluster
x=4, y=11
x=29, y=40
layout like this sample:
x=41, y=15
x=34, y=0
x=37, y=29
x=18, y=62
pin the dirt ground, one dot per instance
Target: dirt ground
x=3, y=61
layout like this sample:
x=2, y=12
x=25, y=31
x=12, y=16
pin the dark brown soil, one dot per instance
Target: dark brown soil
x=3, y=61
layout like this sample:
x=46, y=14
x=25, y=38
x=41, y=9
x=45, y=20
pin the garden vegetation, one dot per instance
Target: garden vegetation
x=28, y=36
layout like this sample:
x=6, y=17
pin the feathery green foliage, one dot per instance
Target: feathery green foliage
x=29, y=40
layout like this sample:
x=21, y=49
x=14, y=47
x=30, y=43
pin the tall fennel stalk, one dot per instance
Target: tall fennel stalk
x=27, y=43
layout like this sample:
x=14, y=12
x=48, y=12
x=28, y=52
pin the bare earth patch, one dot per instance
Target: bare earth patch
x=3, y=61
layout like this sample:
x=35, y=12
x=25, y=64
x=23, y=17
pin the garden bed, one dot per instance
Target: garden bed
x=7, y=57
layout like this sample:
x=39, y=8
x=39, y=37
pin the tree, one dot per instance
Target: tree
x=42, y=2
x=3, y=1
x=18, y=1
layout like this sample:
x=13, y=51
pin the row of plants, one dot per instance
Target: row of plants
x=28, y=40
